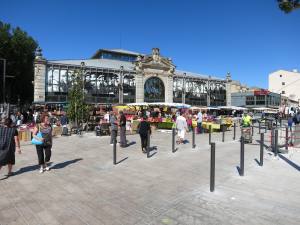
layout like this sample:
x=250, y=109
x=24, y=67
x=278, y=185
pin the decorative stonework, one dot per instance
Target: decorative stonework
x=158, y=66
x=39, y=77
x=228, y=89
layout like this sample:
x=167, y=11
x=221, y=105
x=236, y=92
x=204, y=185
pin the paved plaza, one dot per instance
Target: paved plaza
x=85, y=188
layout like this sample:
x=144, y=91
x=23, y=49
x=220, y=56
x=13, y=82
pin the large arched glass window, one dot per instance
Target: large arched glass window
x=154, y=90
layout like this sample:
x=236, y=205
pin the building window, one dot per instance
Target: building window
x=283, y=92
x=249, y=100
x=280, y=75
x=283, y=83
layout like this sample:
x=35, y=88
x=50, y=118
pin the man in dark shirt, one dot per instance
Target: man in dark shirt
x=143, y=129
x=113, y=127
x=122, y=124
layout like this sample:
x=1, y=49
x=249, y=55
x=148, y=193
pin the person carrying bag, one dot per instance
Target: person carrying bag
x=42, y=133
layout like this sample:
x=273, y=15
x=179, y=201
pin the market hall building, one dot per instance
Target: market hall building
x=120, y=77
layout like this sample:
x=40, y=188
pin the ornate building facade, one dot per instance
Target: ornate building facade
x=119, y=76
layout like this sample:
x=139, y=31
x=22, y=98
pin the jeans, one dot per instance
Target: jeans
x=113, y=136
x=199, y=127
x=123, y=142
x=144, y=140
x=43, y=158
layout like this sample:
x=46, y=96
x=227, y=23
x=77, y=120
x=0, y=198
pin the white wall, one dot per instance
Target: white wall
x=292, y=83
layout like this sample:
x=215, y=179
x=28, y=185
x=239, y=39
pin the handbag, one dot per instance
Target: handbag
x=35, y=141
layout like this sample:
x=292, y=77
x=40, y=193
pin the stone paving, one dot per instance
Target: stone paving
x=84, y=187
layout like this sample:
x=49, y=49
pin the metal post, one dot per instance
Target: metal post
x=223, y=133
x=115, y=151
x=276, y=142
x=212, y=166
x=148, y=144
x=209, y=135
x=286, y=138
x=272, y=139
x=234, y=131
x=261, y=158
x=184, y=88
x=193, y=138
x=242, y=156
x=259, y=127
x=252, y=130
x=173, y=140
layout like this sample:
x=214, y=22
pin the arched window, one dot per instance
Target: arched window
x=154, y=90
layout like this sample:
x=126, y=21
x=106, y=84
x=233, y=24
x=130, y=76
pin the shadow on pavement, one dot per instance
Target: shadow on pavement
x=122, y=160
x=131, y=143
x=64, y=164
x=291, y=163
x=239, y=170
x=256, y=160
x=26, y=169
x=152, y=154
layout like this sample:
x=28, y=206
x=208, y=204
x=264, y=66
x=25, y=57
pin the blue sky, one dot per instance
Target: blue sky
x=250, y=39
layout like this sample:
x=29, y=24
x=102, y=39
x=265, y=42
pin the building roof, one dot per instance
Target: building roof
x=116, y=64
x=191, y=74
x=100, y=63
x=123, y=51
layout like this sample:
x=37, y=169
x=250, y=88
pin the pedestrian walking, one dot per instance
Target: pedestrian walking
x=199, y=122
x=122, y=124
x=113, y=128
x=9, y=143
x=143, y=129
x=44, y=150
x=181, y=126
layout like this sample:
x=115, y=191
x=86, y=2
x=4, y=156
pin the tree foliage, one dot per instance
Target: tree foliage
x=77, y=109
x=18, y=48
x=288, y=5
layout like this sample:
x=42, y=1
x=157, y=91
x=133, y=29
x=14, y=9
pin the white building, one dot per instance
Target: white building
x=286, y=83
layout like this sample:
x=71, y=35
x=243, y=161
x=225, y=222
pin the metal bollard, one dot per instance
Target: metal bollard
x=286, y=138
x=242, y=156
x=259, y=127
x=148, y=144
x=272, y=139
x=193, y=138
x=223, y=133
x=261, y=158
x=252, y=131
x=212, y=166
x=276, y=142
x=234, y=131
x=173, y=140
x=115, y=151
x=209, y=135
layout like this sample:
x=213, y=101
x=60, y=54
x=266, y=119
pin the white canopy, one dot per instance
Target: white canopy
x=175, y=105
x=233, y=108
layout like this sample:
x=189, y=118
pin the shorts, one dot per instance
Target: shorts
x=181, y=134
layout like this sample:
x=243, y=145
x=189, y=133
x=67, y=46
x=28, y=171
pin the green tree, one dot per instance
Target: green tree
x=18, y=48
x=77, y=109
x=288, y=5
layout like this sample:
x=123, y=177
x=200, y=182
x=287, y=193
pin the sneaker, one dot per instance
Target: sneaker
x=41, y=170
x=111, y=144
x=47, y=168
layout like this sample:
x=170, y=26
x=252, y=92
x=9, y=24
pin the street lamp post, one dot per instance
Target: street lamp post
x=208, y=91
x=121, y=97
x=184, y=88
x=83, y=78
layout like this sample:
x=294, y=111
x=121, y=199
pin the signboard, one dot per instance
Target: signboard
x=261, y=92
